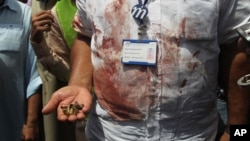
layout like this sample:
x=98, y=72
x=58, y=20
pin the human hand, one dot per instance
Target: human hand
x=41, y=22
x=30, y=132
x=77, y=24
x=225, y=137
x=66, y=96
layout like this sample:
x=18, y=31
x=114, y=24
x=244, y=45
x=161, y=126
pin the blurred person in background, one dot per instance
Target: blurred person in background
x=53, y=54
x=20, y=84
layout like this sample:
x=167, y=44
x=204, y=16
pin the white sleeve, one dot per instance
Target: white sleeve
x=82, y=16
x=233, y=14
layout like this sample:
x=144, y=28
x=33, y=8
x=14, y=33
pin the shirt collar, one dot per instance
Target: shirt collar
x=11, y=4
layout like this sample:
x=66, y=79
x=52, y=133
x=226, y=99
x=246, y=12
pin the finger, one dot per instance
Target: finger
x=72, y=118
x=42, y=16
x=60, y=115
x=44, y=20
x=42, y=23
x=52, y=104
x=77, y=21
x=81, y=115
x=40, y=30
x=42, y=12
x=86, y=101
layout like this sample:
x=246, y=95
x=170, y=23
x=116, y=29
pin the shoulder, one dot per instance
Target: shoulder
x=19, y=10
x=18, y=6
x=25, y=9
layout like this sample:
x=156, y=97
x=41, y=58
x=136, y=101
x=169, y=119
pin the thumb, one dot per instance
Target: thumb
x=52, y=104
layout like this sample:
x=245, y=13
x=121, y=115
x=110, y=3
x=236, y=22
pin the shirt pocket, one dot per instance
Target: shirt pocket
x=12, y=31
x=13, y=42
x=189, y=19
x=12, y=37
x=200, y=19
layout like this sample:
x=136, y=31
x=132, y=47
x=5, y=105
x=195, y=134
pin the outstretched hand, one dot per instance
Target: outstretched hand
x=66, y=96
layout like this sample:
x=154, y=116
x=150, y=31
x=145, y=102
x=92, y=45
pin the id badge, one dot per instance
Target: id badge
x=139, y=52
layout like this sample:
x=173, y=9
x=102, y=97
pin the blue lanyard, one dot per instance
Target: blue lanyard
x=140, y=2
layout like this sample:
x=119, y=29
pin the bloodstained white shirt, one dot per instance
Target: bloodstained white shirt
x=176, y=99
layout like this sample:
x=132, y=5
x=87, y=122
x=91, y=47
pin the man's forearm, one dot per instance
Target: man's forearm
x=81, y=65
x=235, y=64
x=33, y=109
x=238, y=97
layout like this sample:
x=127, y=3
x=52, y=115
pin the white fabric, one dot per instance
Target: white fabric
x=176, y=100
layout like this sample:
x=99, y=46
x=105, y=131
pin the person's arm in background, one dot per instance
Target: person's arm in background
x=79, y=86
x=80, y=82
x=33, y=83
x=235, y=63
x=31, y=128
x=52, y=53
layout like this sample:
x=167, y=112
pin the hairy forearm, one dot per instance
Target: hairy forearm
x=81, y=65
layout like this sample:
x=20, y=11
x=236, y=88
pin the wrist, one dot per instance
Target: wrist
x=32, y=122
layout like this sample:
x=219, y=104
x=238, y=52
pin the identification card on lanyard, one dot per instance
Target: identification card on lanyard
x=139, y=52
